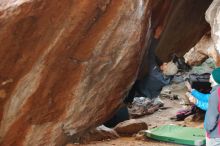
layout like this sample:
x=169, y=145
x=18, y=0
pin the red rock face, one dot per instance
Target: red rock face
x=178, y=26
x=183, y=26
x=65, y=65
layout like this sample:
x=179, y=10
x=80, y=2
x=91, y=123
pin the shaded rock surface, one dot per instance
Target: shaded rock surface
x=66, y=65
x=178, y=25
x=130, y=127
x=183, y=27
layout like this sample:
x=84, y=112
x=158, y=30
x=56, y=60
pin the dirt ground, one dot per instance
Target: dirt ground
x=160, y=117
x=128, y=141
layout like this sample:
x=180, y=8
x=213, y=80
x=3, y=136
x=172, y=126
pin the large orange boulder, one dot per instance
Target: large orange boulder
x=67, y=64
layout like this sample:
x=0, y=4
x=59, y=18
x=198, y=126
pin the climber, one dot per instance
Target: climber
x=150, y=85
x=159, y=75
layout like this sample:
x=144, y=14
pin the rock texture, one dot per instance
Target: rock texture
x=182, y=28
x=130, y=127
x=178, y=26
x=97, y=134
x=200, y=52
x=213, y=17
x=65, y=65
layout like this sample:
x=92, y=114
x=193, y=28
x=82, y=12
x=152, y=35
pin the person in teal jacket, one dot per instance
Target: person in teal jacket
x=211, y=103
x=201, y=99
x=198, y=98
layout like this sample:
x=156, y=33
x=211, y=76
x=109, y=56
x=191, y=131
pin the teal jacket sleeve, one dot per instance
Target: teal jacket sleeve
x=200, y=96
x=202, y=105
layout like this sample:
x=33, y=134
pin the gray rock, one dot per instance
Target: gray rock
x=98, y=134
x=130, y=127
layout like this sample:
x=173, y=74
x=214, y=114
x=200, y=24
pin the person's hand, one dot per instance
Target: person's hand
x=189, y=87
x=192, y=99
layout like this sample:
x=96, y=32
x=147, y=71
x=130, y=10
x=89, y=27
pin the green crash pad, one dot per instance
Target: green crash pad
x=178, y=134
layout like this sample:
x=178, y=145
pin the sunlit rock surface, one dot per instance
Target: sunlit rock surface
x=65, y=65
x=213, y=17
x=201, y=51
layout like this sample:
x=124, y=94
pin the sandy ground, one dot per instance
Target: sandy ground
x=128, y=142
x=160, y=117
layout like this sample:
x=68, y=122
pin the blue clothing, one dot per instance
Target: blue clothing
x=202, y=99
x=200, y=96
x=151, y=85
x=202, y=105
